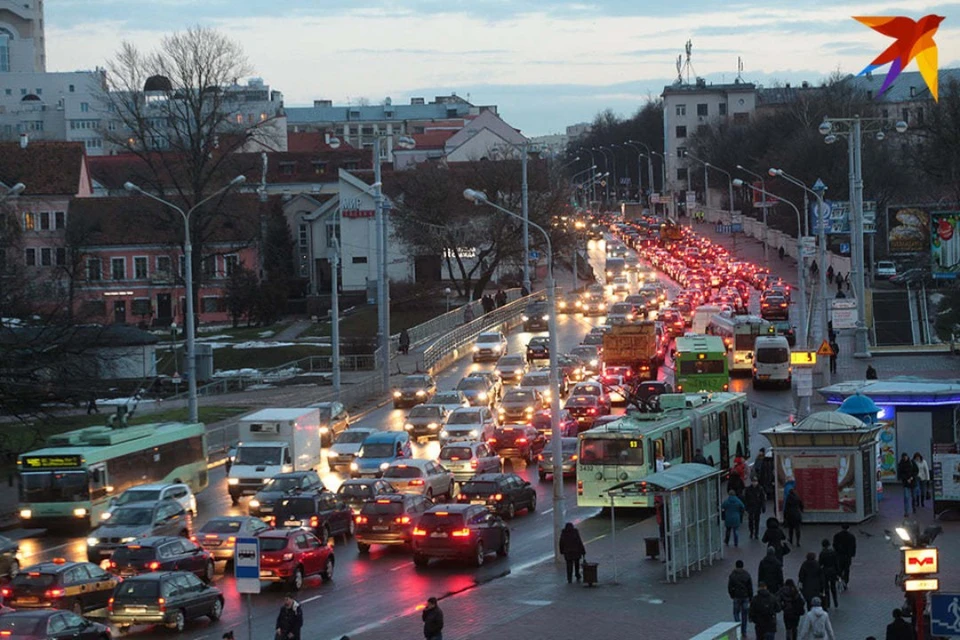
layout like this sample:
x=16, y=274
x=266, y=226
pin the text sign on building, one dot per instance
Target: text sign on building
x=924, y=584
x=355, y=208
x=920, y=561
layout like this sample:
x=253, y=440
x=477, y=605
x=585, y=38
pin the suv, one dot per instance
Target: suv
x=151, y=493
x=355, y=492
x=501, y=493
x=420, y=477
x=511, y=368
x=137, y=520
x=169, y=598
x=886, y=270
x=489, y=346
x=425, y=420
x=459, y=531
x=263, y=502
x=323, y=513
x=536, y=317
x=290, y=555
x=389, y=519
x=774, y=307
x=474, y=424
x=413, y=390
x=538, y=348
x=163, y=553
x=333, y=421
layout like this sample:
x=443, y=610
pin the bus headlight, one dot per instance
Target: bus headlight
x=92, y=542
x=354, y=466
x=384, y=466
x=26, y=514
x=233, y=481
x=80, y=512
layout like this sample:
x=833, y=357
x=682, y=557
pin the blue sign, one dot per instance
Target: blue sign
x=534, y=255
x=845, y=248
x=816, y=216
x=945, y=614
x=246, y=565
x=819, y=185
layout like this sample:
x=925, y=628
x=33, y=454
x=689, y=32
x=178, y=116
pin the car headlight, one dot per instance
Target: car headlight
x=332, y=454
x=233, y=481
x=396, y=394
x=408, y=426
x=105, y=515
x=498, y=348
x=254, y=504
x=354, y=466
x=384, y=466
x=324, y=429
x=593, y=362
x=432, y=425
x=127, y=539
x=474, y=433
x=546, y=317
x=524, y=318
x=421, y=393
x=529, y=409
x=92, y=542
x=501, y=410
x=498, y=372
x=26, y=514
x=80, y=512
x=562, y=304
x=482, y=395
x=444, y=434
x=476, y=348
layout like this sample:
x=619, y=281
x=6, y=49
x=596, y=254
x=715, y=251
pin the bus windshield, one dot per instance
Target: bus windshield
x=694, y=367
x=258, y=456
x=611, y=451
x=744, y=341
x=50, y=486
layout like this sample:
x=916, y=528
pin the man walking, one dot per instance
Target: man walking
x=770, y=571
x=815, y=624
x=763, y=613
x=907, y=475
x=740, y=588
x=831, y=571
x=572, y=549
x=290, y=619
x=732, y=510
x=845, y=544
x=755, y=500
x=900, y=629
x=432, y=618
x=833, y=356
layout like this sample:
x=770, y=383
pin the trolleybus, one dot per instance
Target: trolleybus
x=700, y=364
x=739, y=334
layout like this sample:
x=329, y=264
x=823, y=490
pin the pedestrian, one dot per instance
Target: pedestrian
x=811, y=580
x=770, y=570
x=290, y=619
x=830, y=274
x=922, y=488
x=763, y=466
x=432, y=617
x=776, y=538
x=763, y=613
x=740, y=467
x=501, y=297
x=846, y=282
x=404, y=342
x=871, y=372
x=524, y=292
x=900, y=629
x=572, y=549
x=735, y=483
x=907, y=475
x=92, y=405
x=732, y=510
x=793, y=607
x=793, y=515
x=740, y=589
x=815, y=624
x=698, y=457
x=781, y=252
x=830, y=566
x=833, y=356
x=839, y=283
x=845, y=544
x=814, y=268
x=755, y=501
x=468, y=313
x=487, y=302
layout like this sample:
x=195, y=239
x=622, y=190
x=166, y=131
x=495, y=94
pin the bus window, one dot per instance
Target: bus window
x=98, y=481
x=668, y=445
x=693, y=367
x=612, y=451
x=724, y=422
x=675, y=436
x=687, y=440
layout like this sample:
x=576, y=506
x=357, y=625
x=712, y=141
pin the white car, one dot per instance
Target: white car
x=489, y=346
x=466, y=459
x=886, y=269
x=538, y=381
x=420, y=477
x=180, y=493
x=346, y=447
x=473, y=424
x=450, y=400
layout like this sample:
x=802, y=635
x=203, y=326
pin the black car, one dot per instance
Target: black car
x=414, y=390
x=536, y=317
x=170, y=598
x=785, y=329
x=76, y=586
x=355, y=492
x=517, y=441
x=538, y=348
x=324, y=513
x=389, y=519
x=651, y=390
x=459, y=531
x=501, y=493
x=264, y=501
x=47, y=624
x=162, y=553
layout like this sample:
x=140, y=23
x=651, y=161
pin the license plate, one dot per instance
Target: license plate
x=27, y=600
x=381, y=528
x=292, y=523
x=478, y=502
x=266, y=509
x=266, y=574
x=135, y=609
x=438, y=534
x=764, y=377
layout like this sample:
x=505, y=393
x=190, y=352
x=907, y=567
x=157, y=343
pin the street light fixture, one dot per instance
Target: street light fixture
x=478, y=198
x=188, y=283
x=13, y=191
x=763, y=187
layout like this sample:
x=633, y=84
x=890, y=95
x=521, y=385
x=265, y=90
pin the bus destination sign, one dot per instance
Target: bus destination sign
x=51, y=462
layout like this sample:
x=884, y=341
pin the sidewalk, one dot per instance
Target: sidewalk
x=536, y=602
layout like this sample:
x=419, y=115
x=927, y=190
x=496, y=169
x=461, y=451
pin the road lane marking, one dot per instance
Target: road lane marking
x=48, y=549
x=310, y=599
x=405, y=564
x=548, y=511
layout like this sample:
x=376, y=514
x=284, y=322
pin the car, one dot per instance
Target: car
x=785, y=329
x=586, y=409
x=464, y=459
x=489, y=346
x=479, y=391
x=538, y=348
x=518, y=405
x=511, y=368
x=218, y=535
x=151, y=493
x=76, y=586
x=502, y=493
x=474, y=424
x=594, y=305
x=536, y=317
x=292, y=555
x=571, y=368
x=355, y=492
x=593, y=388
x=620, y=284
x=568, y=463
x=137, y=520
x=517, y=441
x=542, y=423
x=911, y=276
x=378, y=451
x=421, y=477
x=495, y=384
x=651, y=390
x=569, y=303
x=621, y=313
x=593, y=339
x=414, y=390
x=425, y=420
x=334, y=420
x=459, y=531
x=775, y=308
x=590, y=355
x=322, y=513
x=170, y=598
x=44, y=625
x=538, y=381
x=9, y=559
x=389, y=520
x=673, y=322
x=347, y=445
x=263, y=502
x=886, y=269
x=451, y=400
x=616, y=388
x=162, y=553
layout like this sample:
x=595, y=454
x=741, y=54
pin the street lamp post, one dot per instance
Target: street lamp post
x=526, y=219
x=446, y=293
x=616, y=180
x=802, y=339
x=649, y=164
x=763, y=194
x=577, y=226
x=606, y=168
x=478, y=197
x=335, y=315
x=639, y=170
x=593, y=163
x=706, y=178
x=733, y=232
x=188, y=284
x=663, y=179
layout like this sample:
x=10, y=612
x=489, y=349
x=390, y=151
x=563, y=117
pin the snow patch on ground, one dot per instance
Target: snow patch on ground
x=260, y=344
x=237, y=373
x=269, y=333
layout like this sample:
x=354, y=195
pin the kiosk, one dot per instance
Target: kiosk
x=829, y=458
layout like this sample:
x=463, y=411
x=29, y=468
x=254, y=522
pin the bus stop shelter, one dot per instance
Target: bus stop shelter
x=689, y=497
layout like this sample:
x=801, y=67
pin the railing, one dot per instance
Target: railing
x=324, y=363
x=451, y=320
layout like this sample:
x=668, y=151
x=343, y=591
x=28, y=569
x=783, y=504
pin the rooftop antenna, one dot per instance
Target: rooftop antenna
x=688, y=63
x=679, y=70
x=739, y=69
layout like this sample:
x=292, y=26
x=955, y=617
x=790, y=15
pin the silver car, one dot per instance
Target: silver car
x=568, y=467
x=137, y=520
x=219, y=535
x=465, y=459
x=420, y=477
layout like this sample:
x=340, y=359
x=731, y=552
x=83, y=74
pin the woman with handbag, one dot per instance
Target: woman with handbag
x=921, y=487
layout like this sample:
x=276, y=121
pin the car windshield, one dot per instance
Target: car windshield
x=23, y=626
x=424, y=411
x=138, y=495
x=355, y=490
x=456, y=453
x=257, y=456
x=512, y=361
x=471, y=384
x=378, y=450
x=519, y=396
x=298, y=505
x=773, y=355
x=463, y=417
x=282, y=484
x=414, y=383
x=480, y=487
x=221, y=526
x=273, y=544
x=535, y=380
x=385, y=508
x=447, y=398
x=49, y=486
x=352, y=437
x=130, y=516
x=402, y=471
x=133, y=553
x=488, y=337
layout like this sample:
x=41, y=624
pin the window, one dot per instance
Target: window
x=141, y=307
x=118, y=268
x=183, y=266
x=703, y=109
x=30, y=256
x=919, y=115
x=682, y=173
x=61, y=256
x=59, y=220
x=333, y=231
x=212, y=304
x=723, y=108
x=29, y=221
x=84, y=107
x=681, y=109
x=5, y=38
x=93, y=269
x=44, y=220
x=319, y=167
x=886, y=113
x=230, y=264
x=140, y=268
x=681, y=152
x=906, y=116
x=163, y=265
x=71, y=88
x=681, y=132
x=209, y=267
x=359, y=259
x=46, y=257
x=286, y=168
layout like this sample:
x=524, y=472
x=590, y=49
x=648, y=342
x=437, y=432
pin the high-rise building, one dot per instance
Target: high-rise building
x=22, y=46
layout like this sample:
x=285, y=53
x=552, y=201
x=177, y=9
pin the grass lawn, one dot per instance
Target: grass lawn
x=243, y=333
x=363, y=322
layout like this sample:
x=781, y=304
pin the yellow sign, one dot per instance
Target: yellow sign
x=825, y=349
x=925, y=584
x=51, y=462
x=803, y=358
x=918, y=562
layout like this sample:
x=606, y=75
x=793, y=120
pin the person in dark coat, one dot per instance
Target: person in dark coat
x=571, y=546
x=830, y=566
x=793, y=607
x=763, y=613
x=735, y=484
x=793, y=515
x=833, y=356
x=755, y=500
x=845, y=544
x=740, y=590
x=775, y=537
x=770, y=570
x=500, y=298
x=871, y=372
x=907, y=475
x=763, y=467
x=900, y=629
x=698, y=457
x=404, y=342
x=290, y=619
x=811, y=579
x=487, y=302
x=432, y=617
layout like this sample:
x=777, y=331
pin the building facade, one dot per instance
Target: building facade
x=22, y=45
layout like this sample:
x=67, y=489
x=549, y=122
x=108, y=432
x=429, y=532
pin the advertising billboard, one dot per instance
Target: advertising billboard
x=909, y=229
x=945, y=244
x=825, y=482
x=836, y=216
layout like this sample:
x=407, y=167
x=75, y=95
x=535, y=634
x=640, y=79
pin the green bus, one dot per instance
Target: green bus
x=70, y=482
x=701, y=364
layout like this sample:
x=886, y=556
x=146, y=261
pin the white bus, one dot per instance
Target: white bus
x=739, y=334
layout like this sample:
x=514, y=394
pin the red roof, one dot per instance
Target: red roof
x=300, y=141
x=433, y=138
x=45, y=168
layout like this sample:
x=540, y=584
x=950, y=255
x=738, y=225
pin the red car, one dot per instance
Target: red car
x=291, y=555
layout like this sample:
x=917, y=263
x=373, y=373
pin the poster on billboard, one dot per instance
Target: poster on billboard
x=887, y=455
x=909, y=229
x=825, y=482
x=836, y=216
x=945, y=244
x=946, y=476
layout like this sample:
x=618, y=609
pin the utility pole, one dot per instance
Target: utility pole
x=383, y=296
x=525, y=212
x=335, y=314
x=862, y=344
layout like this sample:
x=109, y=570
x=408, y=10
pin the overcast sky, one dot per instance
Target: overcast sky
x=545, y=63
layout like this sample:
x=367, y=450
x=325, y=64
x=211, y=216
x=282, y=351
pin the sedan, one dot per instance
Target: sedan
x=569, y=303
x=511, y=369
x=568, y=465
x=478, y=391
x=465, y=459
x=413, y=390
x=586, y=409
x=43, y=625
x=162, y=553
x=420, y=477
x=775, y=308
x=389, y=520
x=489, y=346
x=334, y=419
x=538, y=348
x=459, y=531
x=542, y=423
x=501, y=493
x=219, y=535
x=170, y=598
x=425, y=420
x=517, y=441
x=519, y=405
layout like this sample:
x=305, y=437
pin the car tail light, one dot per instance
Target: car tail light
x=498, y=497
x=287, y=557
x=361, y=519
x=314, y=521
x=110, y=605
x=416, y=482
x=193, y=538
x=113, y=564
x=461, y=533
x=591, y=411
x=539, y=456
x=783, y=305
x=402, y=520
x=231, y=540
x=53, y=593
x=491, y=441
x=521, y=440
x=162, y=603
x=6, y=592
x=417, y=531
x=574, y=457
x=474, y=462
x=153, y=566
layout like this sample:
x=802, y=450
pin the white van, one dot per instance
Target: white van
x=702, y=316
x=771, y=362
